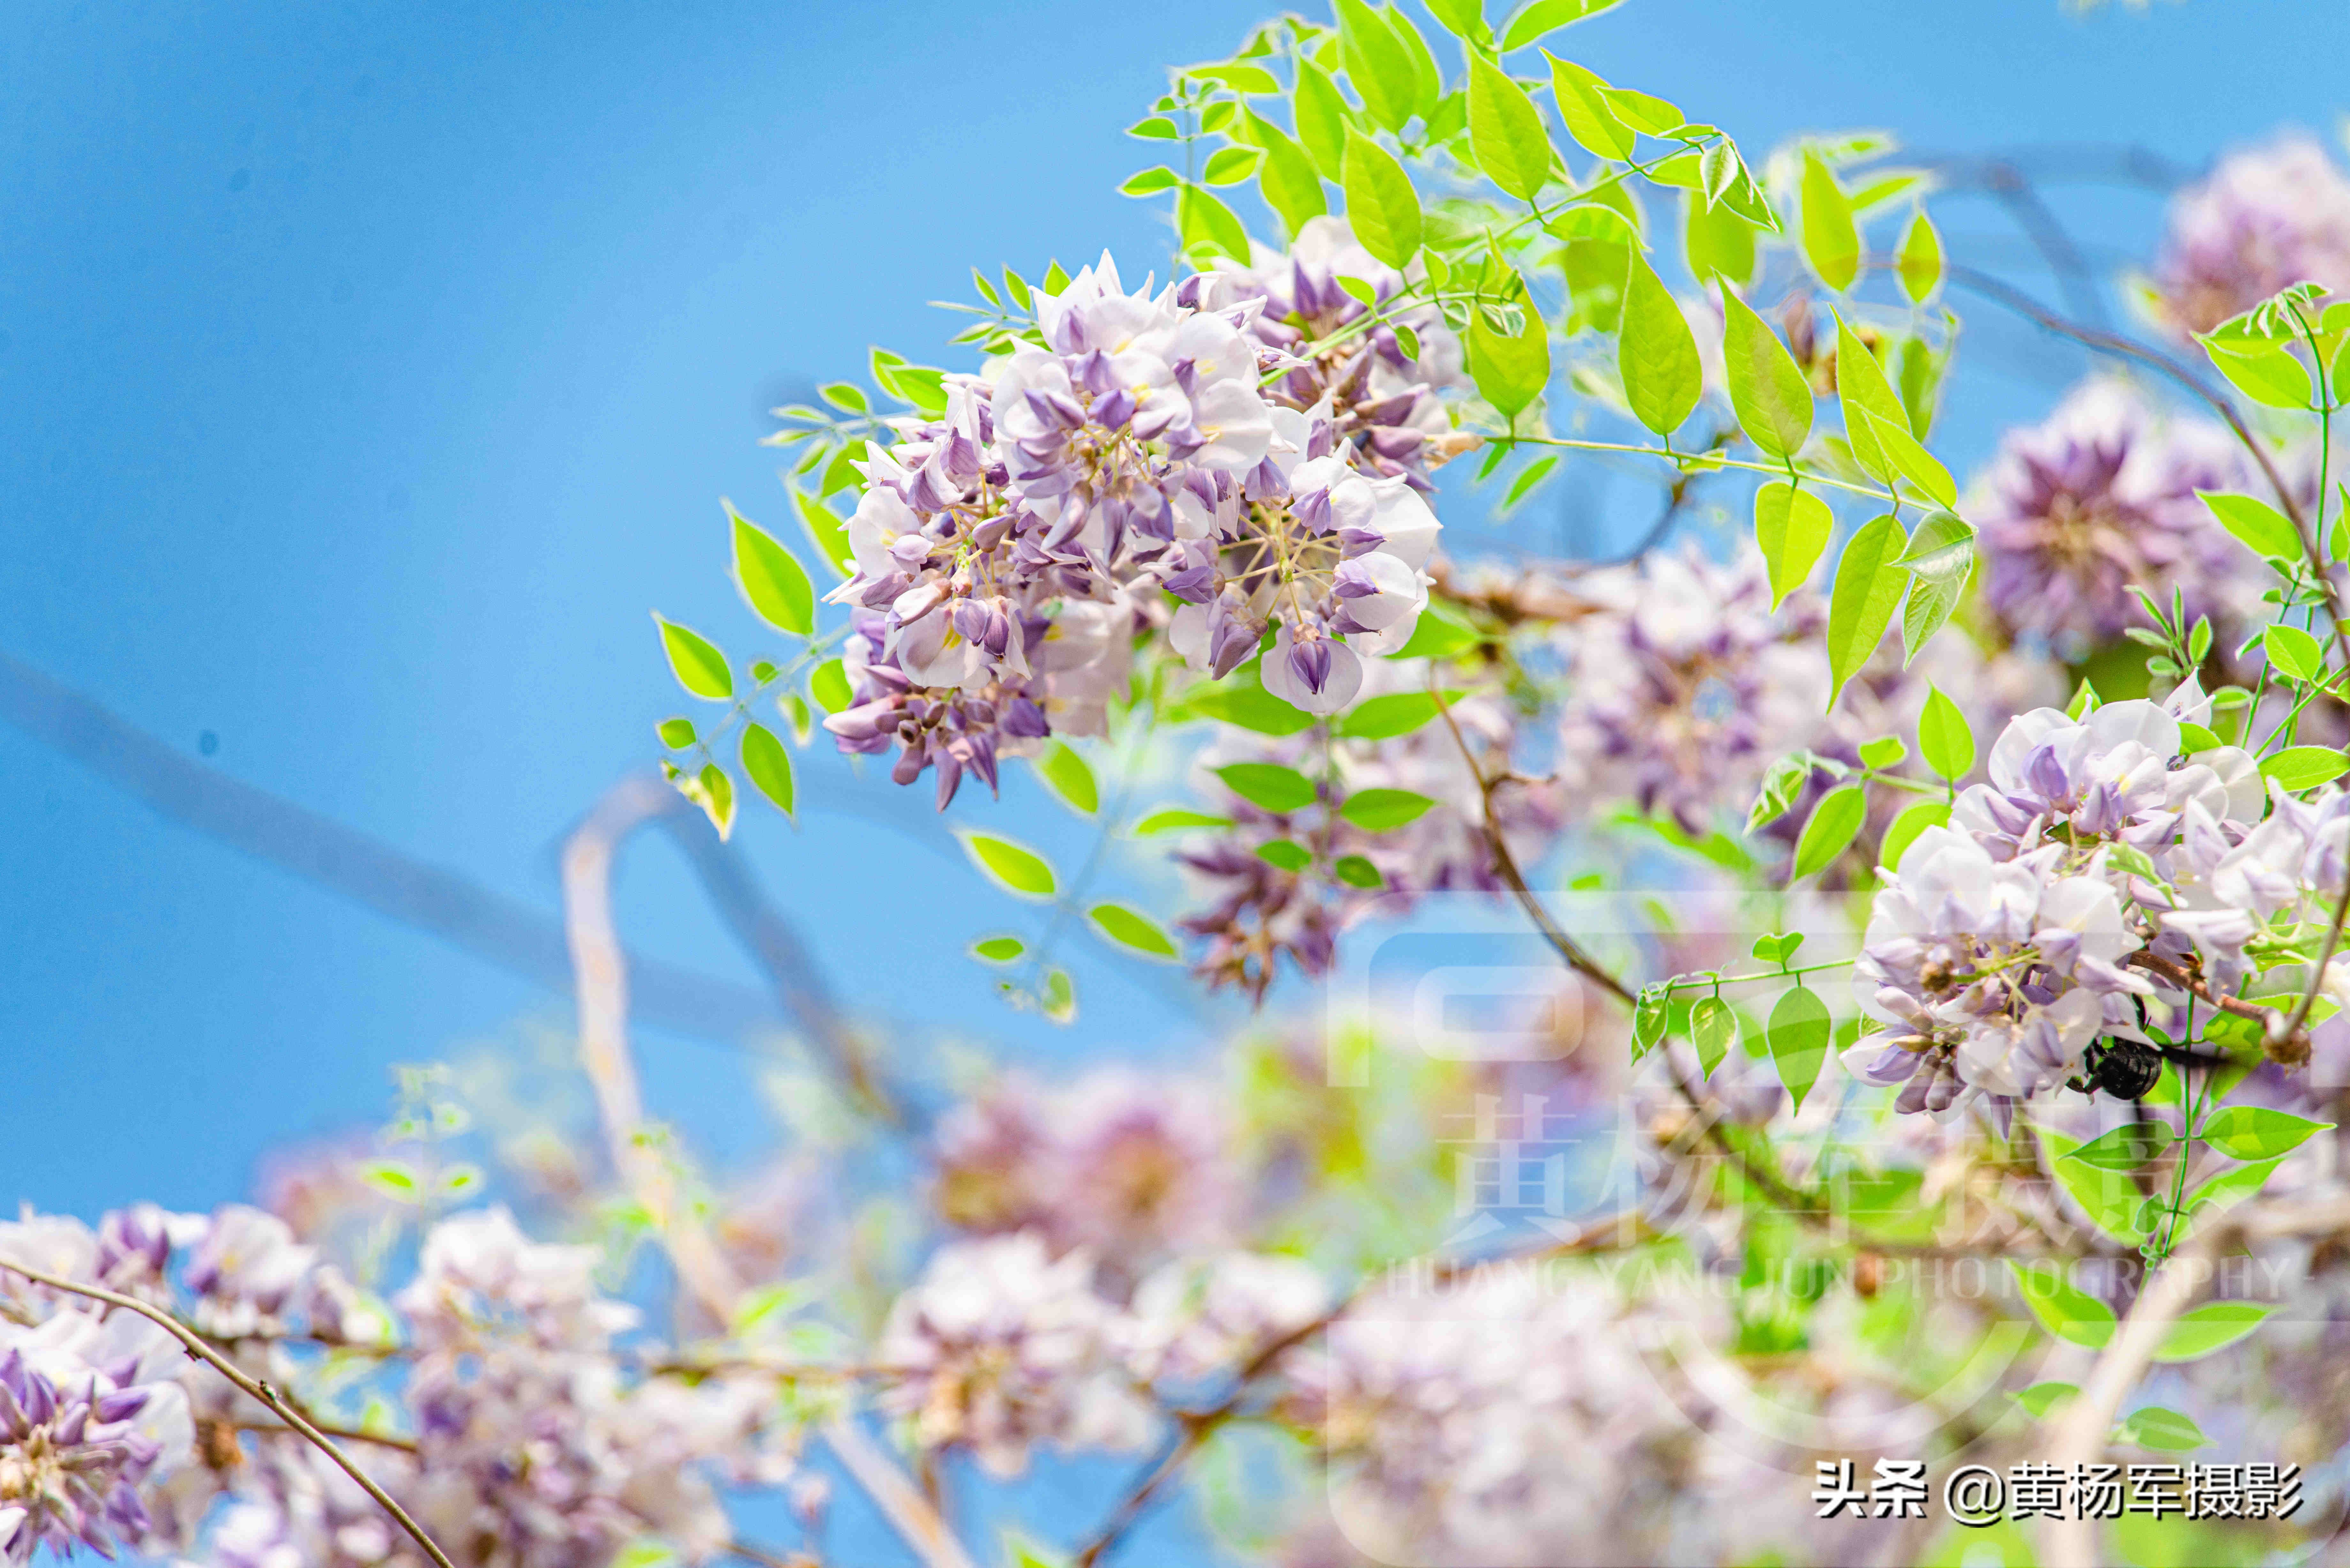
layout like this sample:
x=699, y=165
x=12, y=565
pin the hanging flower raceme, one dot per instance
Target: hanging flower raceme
x=1001, y=1347
x=2002, y=947
x=1379, y=385
x=2266, y=219
x=2102, y=497
x=1684, y=686
x=1006, y=553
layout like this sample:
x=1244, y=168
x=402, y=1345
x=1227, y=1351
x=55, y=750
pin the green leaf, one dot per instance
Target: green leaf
x=1462, y=19
x=1238, y=75
x=2293, y=651
x=1644, y=111
x=1906, y=828
x=826, y=530
x=1831, y=241
x=1229, y=165
x=1883, y=753
x=1149, y=181
x=677, y=734
x=1830, y=832
x=1712, y=1029
x=1131, y=928
x=769, y=766
x=2228, y=1188
x=1285, y=854
x=2111, y=1199
x=1059, y=999
x=1385, y=718
x=1716, y=241
x=1791, y=526
x=1380, y=66
x=1534, y=474
x=1656, y=352
x=1772, y=399
x=1869, y=588
x=391, y=1176
x=714, y=793
x=1157, y=128
x=2124, y=1147
x=1010, y=865
x=1206, y=224
x=1321, y=116
x=1505, y=131
x=1944, y=738
x=1291, y=185
x=1382, y=208
x=1356, y=871
x=1648, y=1018
x=2064, y=1309
x=772, y=577
x=1175, y=819
x=1530, y=22
x=2265, y=372
x=1269, y=785
x=2043, y=1397
x=2213, y=1326
x=1382, y=810
x=846, y=395
x=1068, y=776
x=2261, y=528
x=1798, y=1037
x=1917, y=465
x=998, y=950
x=1510, y=372
x=828, y=684
x=1861, y=385
x=1582, y=103
x=1428, y=80
x=696, y=662
x=1917, y=260
x=1442, y=633
x=2256, y=1132
x=2165, y=1431
x=2298, y=768
x=1941, y=554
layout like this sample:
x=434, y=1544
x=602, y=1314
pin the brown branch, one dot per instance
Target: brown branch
x=702, y=1269
x=2080, y=1432
x=348, y=1434
x=2286, y=1044
x=200, y=1349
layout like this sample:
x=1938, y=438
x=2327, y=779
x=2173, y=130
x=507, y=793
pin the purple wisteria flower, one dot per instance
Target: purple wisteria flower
x=1130, y=1167
x=1999, y=951
x=2100, y=497
x=2264, y=220
x=1384, y=406
x=1684, y=686
x=1006, y=554
x=1001, y=1347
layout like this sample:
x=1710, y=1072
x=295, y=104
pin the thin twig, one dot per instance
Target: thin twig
x=200, y=1349
x=348, y=1434
x=702, y=1269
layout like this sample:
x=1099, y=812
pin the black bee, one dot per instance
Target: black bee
x=2129, y=1069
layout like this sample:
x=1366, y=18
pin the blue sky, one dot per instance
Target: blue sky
x=367, y=373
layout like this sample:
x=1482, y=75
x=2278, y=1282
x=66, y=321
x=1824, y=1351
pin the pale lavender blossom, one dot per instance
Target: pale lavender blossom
x=2265, y=219
x=1002, y=1347
x=1128, y=1167
x=1683, y=686
x=1198, y=1320
x=2099, y=498
x=1991, y=976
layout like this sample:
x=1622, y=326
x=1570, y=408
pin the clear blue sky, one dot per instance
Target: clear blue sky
x=368, y=371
